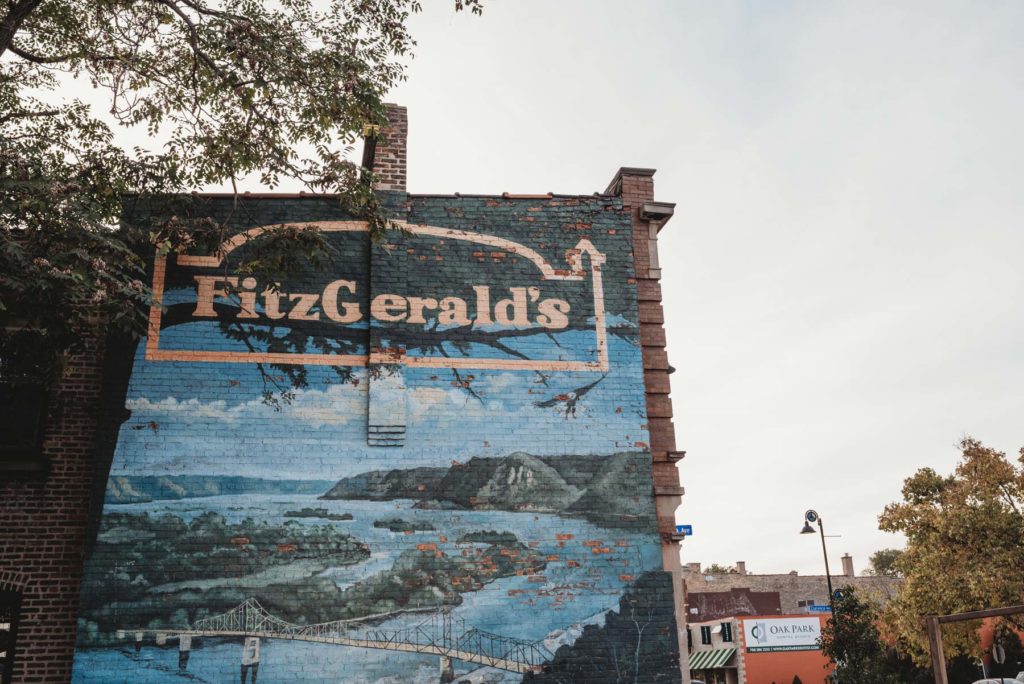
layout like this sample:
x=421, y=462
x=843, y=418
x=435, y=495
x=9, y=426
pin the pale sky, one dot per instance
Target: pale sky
x=843, y=277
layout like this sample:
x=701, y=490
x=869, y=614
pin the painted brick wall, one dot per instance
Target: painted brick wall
x=467, y=467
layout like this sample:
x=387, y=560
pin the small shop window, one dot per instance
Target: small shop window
x=10, y=608
x=705, y=634
x=726, y=631
x=689, y=639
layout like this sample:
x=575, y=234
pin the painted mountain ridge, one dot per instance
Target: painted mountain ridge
x=612, y=491
x=145, y=488
x=385, y=485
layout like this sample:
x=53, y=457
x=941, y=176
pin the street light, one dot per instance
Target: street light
x=811, y=516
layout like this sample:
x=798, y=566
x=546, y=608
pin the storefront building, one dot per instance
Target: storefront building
x=779, y=648
x=759, y=649
x=715, y=656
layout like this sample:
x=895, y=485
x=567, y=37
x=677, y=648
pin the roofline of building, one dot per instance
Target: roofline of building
x=758, y=616
x=687, y=571
x=615, y=186
x=455, y=195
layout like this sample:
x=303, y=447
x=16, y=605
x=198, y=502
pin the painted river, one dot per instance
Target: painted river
x=573, y=594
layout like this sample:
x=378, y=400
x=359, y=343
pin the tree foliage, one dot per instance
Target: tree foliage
x=852, y=643
x=965, y=547
x=885, y=563
x=230, y=88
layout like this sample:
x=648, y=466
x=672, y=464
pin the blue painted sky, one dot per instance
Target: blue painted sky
x=206, y=418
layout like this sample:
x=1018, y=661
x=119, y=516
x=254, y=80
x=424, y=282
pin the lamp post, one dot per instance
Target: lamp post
x=810, y=517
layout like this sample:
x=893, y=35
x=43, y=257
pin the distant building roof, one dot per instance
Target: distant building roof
x=713, y=605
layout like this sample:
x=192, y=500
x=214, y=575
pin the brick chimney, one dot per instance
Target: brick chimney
x=741, y=567
x=388, y=158
x=693, y=567
x=847, y=565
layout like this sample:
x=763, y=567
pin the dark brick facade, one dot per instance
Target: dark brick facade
x=44, y=520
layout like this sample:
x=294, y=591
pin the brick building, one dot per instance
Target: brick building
x=713, y=605
x=796, y=592
x=758, y=649
x=446, y=456
x=723, y=607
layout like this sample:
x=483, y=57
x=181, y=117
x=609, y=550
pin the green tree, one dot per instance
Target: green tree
x=716, y=569
x=861, y=655
x=885, y=563
x=965, y=548
x=231, y=88
x=851, y=641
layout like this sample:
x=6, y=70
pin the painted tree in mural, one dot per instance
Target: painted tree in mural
x=965, y=547
x=228, y=88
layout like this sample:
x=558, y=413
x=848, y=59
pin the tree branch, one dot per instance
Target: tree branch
x=210, y=12
x=1009, y=499
x=39, y=59
x=193, y=39
x=10, y=24
x=28, y=115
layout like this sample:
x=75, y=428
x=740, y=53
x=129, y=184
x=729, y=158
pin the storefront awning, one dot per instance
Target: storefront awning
x=709, y=660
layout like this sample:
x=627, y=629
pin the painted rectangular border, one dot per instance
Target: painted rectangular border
x=574, y=257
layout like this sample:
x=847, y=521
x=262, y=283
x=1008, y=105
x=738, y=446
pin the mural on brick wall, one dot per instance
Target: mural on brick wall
x=423, y=461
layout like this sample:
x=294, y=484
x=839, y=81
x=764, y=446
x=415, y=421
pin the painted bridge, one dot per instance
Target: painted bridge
x=440, y=635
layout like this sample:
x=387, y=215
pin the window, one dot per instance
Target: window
x=689, y=639
x=23, y=395
x=705, y=634
x=22, y=416
x=726, y=631
x=10, y=607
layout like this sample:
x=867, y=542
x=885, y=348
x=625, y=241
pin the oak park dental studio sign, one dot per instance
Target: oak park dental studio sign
x=546, y=295
x=768, y=635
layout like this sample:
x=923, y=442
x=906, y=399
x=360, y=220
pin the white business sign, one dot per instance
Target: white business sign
x=767, y=635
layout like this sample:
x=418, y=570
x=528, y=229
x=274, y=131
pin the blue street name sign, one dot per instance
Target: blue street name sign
x=819, y=609
x=685, y=529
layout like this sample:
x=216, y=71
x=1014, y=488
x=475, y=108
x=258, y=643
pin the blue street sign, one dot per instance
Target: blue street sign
x=819, y=609
x=685, y=529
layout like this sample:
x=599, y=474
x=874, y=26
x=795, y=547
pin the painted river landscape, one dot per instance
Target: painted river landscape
x=376, y=545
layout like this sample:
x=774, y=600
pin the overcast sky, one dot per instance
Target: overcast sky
x=843, y=276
